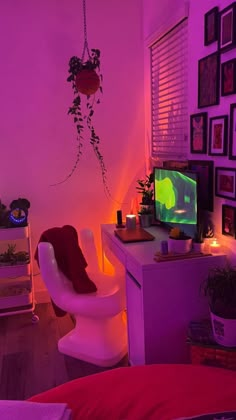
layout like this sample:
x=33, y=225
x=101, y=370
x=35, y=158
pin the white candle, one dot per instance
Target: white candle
x=214, y=247
x=130, y=221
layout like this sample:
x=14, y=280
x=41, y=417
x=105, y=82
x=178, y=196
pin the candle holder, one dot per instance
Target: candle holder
x=130, y=221
x=215, y=247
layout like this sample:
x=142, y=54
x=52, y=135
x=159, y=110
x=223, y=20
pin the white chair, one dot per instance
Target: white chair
x=100, y=333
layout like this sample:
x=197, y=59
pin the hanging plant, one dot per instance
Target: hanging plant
x=86, y=79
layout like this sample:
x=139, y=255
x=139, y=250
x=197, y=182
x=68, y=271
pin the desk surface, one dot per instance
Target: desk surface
x=144, y=252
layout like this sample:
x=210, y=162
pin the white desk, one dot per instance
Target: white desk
x=162, y=297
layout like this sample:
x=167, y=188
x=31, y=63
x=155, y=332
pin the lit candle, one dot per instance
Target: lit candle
x=130, y=221
x=214, y=247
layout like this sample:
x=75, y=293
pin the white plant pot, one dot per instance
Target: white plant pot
x=198, y=246
x=224, y=330
x=179, y=246
x=145, y=220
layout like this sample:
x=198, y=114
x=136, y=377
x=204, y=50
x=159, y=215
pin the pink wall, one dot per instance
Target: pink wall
x=38, y=142
x=158, y=17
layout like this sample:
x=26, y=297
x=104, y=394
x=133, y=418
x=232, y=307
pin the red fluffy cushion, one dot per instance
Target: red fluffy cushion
x=153, y=392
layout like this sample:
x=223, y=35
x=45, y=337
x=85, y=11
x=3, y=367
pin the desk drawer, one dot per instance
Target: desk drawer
x=109, y=245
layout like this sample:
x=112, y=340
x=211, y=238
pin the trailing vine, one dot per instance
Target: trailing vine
x=86, y=79
x=76, y=68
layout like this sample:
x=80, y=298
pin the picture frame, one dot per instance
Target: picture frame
x=205, y=171
x=175, y=164
x=218, y=135
x=198, y=132
x=225, y=182
x=228, y=77
x=229, y=220
x=227, y=31
x=232, y=132
x=211, y=26
x=208, y=80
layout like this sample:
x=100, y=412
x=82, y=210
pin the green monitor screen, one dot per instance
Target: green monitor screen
x=175, y=195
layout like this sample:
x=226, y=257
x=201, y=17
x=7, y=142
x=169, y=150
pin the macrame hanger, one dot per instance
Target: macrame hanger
x=86, y=47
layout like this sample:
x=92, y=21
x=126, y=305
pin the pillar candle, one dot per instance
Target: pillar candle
x=130, y=221
x=214, y=246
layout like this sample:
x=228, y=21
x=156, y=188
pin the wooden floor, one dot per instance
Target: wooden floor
x=29, y=360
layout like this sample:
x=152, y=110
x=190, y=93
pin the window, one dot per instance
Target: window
x=169, y=105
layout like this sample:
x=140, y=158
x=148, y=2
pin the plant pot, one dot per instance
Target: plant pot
x=224, y=330
x=87, y=81
x=198, y=246
x=145, y=220
x=179, y=246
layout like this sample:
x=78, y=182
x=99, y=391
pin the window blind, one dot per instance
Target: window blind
x=169, y=107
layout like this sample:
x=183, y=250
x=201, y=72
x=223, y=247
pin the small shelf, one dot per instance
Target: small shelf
x=16, y=281
x=21, y=281
x=14, y=270
x=7, y=234
x=19, y=300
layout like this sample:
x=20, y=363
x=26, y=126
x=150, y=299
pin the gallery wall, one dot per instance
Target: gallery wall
x=197, y=51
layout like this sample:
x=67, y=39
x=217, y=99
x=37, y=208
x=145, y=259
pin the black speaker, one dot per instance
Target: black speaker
x=119, y=218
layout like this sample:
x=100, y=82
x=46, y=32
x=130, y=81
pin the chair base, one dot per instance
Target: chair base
x=102, y=342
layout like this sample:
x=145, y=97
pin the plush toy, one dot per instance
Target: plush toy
x=19, y=212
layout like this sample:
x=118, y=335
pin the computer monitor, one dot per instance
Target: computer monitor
x=176, y=199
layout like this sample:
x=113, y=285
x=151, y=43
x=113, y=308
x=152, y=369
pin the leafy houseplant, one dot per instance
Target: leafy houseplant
x=220, y=289
x=145, y=188
x=11, y=257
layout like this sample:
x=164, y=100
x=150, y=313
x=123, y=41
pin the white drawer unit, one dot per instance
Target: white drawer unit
x=162, y=297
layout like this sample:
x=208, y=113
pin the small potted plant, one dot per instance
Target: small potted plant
x=146, y=211
x=8, y=257
x=179, y=242
x=220, y=289
x=11, y=257
x=198, y=240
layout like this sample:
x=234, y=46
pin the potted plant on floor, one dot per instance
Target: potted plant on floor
x=146, y=211
x=220, y=289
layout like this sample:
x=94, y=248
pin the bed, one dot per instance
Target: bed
x=155, y=392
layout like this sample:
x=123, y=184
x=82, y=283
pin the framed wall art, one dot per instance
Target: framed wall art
x=225, y=183
x=228, y=77
x=227, y=33
x=208, y=80
x=211, y=26
x=205, y=171
x=218, y=134
x=232, y=132
x=198, y=132
x=229, y=220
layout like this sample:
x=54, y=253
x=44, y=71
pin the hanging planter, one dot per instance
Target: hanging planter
x=86, y=80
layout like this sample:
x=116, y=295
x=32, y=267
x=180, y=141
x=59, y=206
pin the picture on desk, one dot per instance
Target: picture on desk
x=175, y=195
